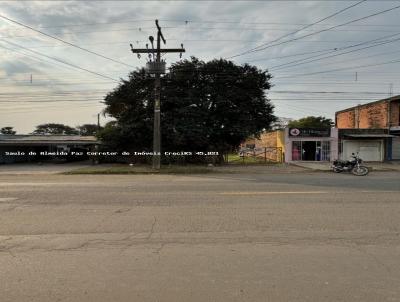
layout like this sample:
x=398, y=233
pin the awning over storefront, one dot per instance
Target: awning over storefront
x=369, y=135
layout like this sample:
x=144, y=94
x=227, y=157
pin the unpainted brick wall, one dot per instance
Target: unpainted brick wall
x=346, y=119
x=267, y=139
x=368, y=116
x=395, y=114
x=374, y=115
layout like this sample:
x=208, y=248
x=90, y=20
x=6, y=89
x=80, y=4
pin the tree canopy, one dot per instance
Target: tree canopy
x=311, y=122
x=88, y=129
x=205, y=106
x=8, y=131
x=53, y=128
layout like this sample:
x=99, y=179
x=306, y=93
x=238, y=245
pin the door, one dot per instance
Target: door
x=369, y=150
x=309, y=149
x=396, y=147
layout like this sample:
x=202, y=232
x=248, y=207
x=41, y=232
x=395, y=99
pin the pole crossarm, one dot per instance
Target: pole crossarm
x=169, y=50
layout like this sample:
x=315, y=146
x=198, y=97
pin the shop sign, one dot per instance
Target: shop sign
x=309, y=132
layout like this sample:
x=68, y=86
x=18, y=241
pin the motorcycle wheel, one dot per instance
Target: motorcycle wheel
x=360, y=171
x=336, y=170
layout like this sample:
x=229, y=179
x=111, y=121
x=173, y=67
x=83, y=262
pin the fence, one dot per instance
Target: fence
x=258, y=155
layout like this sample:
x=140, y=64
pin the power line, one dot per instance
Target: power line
x=272, y=23
x=376, y=41
x=50, y=84
x=56, y=92
x=306, y=109
x=63, y=41
x=31, y=57
x=298, y=30
x=269, y=45
x=299, y=62
x=189, y=40
x=357, y=59
x=352, y=84
x=323, y=99
x=84, y=32
x=199, y=21
x=326, y=92
x=293, y=55
x=340, y=69
x=94, y=93
x=61, y=61
x=45, y=104
x=96, y=23
x=49, y=107
x=194, y=29
x=273, y=29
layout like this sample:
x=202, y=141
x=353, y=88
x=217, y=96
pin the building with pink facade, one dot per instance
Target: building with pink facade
x=307, y=144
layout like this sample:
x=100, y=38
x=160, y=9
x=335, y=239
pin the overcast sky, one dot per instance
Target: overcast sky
x=36, y=87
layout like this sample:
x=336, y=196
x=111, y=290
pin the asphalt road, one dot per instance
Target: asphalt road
x=238, y=237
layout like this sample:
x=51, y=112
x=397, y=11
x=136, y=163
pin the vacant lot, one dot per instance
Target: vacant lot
x=213, y=237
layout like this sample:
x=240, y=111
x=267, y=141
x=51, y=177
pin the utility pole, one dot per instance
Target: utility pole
x=157, y=67
x=98, y=121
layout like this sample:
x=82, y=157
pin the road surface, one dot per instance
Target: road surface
x=215, y=237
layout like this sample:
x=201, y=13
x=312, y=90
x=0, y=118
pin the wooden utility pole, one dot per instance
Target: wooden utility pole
x=157, y=67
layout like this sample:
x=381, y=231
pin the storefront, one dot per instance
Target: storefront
x=307, y=144
x=372, y=145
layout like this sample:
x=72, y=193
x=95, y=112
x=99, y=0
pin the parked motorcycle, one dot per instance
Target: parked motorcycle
x=354, y=166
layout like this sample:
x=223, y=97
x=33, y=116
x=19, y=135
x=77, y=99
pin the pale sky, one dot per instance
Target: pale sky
x=215, y=29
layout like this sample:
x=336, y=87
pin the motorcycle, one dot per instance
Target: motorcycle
x=354, y=166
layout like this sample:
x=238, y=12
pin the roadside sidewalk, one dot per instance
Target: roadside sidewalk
x=326, y=166
x=35, y=168
x=87, y=168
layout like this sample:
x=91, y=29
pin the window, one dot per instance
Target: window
x=296, y=150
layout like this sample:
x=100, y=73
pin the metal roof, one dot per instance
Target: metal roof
x=47, y=140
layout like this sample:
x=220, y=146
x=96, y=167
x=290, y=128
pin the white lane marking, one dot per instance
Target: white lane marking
x=7, y=199
x=302, y=192
x=43, y=184
x=270, y=193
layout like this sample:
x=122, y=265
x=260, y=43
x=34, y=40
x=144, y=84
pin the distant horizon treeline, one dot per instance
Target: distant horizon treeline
x=57, y=129
x=93, y=129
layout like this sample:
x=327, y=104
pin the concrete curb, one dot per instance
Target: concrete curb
x=371, y=168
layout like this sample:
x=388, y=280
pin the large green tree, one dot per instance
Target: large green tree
x=7, y=131
x=54, y=128
x=205, y=106
x=311, y=122
x=88, y=129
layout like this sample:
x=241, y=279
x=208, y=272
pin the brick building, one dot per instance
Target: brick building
x=270, y=143
x=372, y=129
x=382, y=114
x=292, y=144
